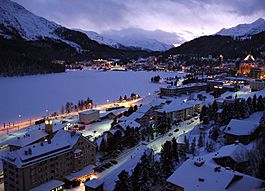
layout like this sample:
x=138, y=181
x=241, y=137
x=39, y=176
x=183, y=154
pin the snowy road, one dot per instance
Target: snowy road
x=128, y=159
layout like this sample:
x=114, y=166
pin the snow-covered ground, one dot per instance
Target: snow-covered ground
x=31, y=96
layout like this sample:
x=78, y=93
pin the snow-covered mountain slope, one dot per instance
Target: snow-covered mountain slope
x=118, y=40
x=100, y=39
x=244, y=30
x=28, y=25
x=143, y=43
x=138, y=38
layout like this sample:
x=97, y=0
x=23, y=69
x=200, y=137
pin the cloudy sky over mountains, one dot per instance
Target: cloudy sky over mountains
x=180, y=19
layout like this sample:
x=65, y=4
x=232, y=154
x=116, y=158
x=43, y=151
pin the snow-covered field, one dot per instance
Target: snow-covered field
x=31, y=96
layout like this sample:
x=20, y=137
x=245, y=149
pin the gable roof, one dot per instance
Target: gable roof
x=200, y=176
x=61, y=142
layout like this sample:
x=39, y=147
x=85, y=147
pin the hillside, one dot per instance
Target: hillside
x=30, y=43
x=244, y=30
x=215, y=45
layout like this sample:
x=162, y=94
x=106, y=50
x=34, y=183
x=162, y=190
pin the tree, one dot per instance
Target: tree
x=200, y=141
x=186, y=143
x=214, y=133
x=166, y=159
x=123, y=184
x=175, y=153
x=254, y=102
x=260, y=104
x=103, y=146
x=193, y=146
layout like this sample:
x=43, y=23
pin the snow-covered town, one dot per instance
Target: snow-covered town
x=104, y=102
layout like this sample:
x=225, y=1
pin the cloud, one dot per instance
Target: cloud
x=163, y=36
x=169, y=18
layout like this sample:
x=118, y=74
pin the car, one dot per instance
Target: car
x=114, y=162
x=176, y=130
x=170, y=134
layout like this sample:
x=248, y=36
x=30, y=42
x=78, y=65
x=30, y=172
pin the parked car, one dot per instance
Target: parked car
x=176, y=130
x=170, y=134
x=114, y=162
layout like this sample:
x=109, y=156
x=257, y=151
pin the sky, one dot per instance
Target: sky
x=170, y=21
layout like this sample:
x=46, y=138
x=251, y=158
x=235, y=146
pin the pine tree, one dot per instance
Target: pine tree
x=103, y=145
x=123, y=183
x=260, y=104
x=254, y=102
x=193, y=146
x=166, y=159
x=200, y=141
x=175, y=149
x=186, y=143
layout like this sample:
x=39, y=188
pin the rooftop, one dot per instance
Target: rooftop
x=245, y=126
x=61, y=142
x=207, y=176
x=89, y=112
x=177, y=105
x=238, y=152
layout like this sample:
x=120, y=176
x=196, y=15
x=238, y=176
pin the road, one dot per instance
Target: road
x=15, y=127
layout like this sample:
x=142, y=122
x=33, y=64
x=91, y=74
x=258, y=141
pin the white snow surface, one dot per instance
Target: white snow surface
x=100, y=38
x=32, y=95
x=188, y=176
x=244, y=30
x=28, y=25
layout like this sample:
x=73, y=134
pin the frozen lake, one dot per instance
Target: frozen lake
x=31, y=96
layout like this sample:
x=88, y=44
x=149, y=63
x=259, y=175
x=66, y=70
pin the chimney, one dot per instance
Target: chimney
x=48, y=126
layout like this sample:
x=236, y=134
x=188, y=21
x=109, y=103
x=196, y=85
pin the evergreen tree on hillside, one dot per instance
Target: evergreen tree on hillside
x=175, y=153
x=166, y=159
x=123, y=183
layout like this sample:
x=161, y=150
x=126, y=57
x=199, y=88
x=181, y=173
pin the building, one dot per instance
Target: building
x=198, y=175
x=144, y=116
x=257, y=85
x=178, y=111
x=244, y=130
x=185, y=89
x=94, y=185
x=234, y=156
x=31, y=166
x=89, y=116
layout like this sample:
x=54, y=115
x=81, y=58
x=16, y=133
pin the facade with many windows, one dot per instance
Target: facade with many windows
x=39, y=163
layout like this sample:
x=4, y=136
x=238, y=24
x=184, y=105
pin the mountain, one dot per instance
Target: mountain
x=128, y=39
x=100, y=39
x=29, y=44
x=244, y=30
x=141, y=39
x=215, y=45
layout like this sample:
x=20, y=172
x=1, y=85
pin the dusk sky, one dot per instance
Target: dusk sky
x=180, y=19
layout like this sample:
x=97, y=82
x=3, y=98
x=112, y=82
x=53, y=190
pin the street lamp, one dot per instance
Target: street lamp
x=107, y=101
x=19, y=116
x=47, y=112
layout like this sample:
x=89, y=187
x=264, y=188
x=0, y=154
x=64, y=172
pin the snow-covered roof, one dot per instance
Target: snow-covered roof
x=238, y=152
x=88, y=112
x=132, y=117
x=132, y=124
x=185, y=86
x=86, y=170
x=144, y=108
x=206, y=176
x=32, y=136
x=61, y=142
x=114, y=112
x=177, y=105
x=94, y=183
x=48, y=185
x=240, y=127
